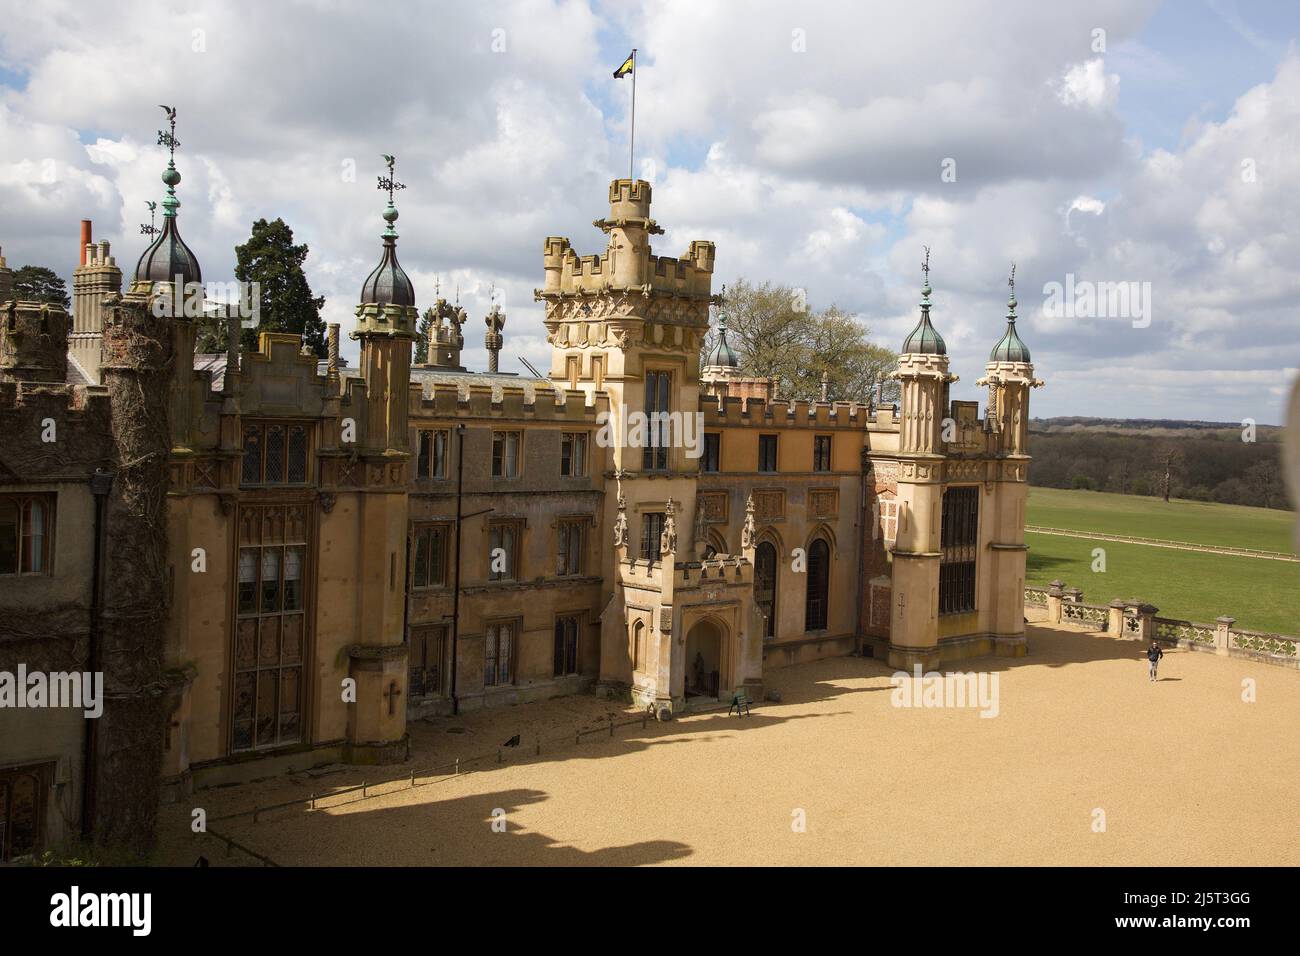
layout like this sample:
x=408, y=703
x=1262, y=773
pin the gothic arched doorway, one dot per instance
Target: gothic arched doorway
x=703, y=660
x=765, y=586
x=819, y=577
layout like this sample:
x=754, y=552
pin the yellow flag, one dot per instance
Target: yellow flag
x=626, y=68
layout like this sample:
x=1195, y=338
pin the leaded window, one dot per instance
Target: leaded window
x=569, y=558
x=821, y=453
x=819, y=577
x=431, y=454
x=658, y=405
x=428, y=656
x=270, y=626
x=498, y=654
x=566, y=645
x=503, y=550
x=505, y=454
x=429, y=562
x=712, y=452
x=958, y=547
x=573, y=455
x=767, y=453
x=652, y=528
x=275, y=453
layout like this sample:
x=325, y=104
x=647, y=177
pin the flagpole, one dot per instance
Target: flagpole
x=631, y=143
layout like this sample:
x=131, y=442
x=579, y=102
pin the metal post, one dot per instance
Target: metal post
x=631, y=143
x=455, y=597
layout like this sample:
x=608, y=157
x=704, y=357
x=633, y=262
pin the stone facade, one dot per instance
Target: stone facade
x=314, y=602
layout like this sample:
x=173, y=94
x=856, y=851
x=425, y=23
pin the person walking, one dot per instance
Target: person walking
x=1154, y=653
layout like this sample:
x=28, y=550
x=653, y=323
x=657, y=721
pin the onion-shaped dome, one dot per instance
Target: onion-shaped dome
x=1010, y=348
x=388, y=284
x=925, y=338
x=168, y=258
x=721, y=355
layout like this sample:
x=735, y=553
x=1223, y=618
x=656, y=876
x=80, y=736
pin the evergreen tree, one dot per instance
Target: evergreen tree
x=422, y=332
x=39, y=284
x=271, y=259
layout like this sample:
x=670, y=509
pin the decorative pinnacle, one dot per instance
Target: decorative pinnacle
x=171, y=177
x=1011, y=301
x=389, y=184
x=925, y=285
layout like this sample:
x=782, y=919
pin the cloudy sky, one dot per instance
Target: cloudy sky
x=818, y=144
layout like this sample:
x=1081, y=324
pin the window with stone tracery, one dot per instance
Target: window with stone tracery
x=270, y=626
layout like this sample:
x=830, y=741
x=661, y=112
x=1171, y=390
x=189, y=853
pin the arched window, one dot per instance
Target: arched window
x=765, y=586
x=819, y=579
x=638, y=645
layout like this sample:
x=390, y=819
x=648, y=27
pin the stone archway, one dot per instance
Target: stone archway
x=704, y=659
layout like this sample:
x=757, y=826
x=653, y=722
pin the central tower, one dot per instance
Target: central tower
x=630, y=323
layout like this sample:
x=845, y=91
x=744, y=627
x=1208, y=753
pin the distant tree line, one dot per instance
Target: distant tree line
x=1209, y=465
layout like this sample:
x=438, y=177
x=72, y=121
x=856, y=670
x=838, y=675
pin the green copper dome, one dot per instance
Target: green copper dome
x=1010, y=348
x=925, y=339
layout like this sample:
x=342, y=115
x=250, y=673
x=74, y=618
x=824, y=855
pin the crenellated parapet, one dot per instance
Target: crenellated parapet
x=33, y=342
x=737, y=412
x=627, y=265
x=542, y=403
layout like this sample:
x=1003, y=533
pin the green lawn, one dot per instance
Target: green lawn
x=1261, y=594
x=1196, y=522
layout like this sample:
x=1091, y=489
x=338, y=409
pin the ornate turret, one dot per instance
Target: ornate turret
x=923, y=376
x=925, y=339
x=1009, y=377
x=386, y=325
x=168, y=258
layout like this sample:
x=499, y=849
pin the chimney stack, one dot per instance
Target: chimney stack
x=85, y=239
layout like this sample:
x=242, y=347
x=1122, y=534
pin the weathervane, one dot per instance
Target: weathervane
x=925, y=266
x=170, y=176
x=388, y=183
x=150, y=229
x=168, y=137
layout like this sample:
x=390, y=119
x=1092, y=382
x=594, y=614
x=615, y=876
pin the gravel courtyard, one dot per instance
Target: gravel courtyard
x=1185, y=772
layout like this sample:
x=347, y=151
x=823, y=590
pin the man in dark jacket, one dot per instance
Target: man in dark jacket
x=1154, y=653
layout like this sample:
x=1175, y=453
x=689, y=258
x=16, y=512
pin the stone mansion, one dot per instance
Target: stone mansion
x=237, y=539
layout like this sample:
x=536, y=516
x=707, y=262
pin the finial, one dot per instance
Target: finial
x=171, y=177
x=925, y=269
x=389, y=184
x=1011, y=301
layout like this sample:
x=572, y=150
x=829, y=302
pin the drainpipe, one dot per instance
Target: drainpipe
x=101, y=484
